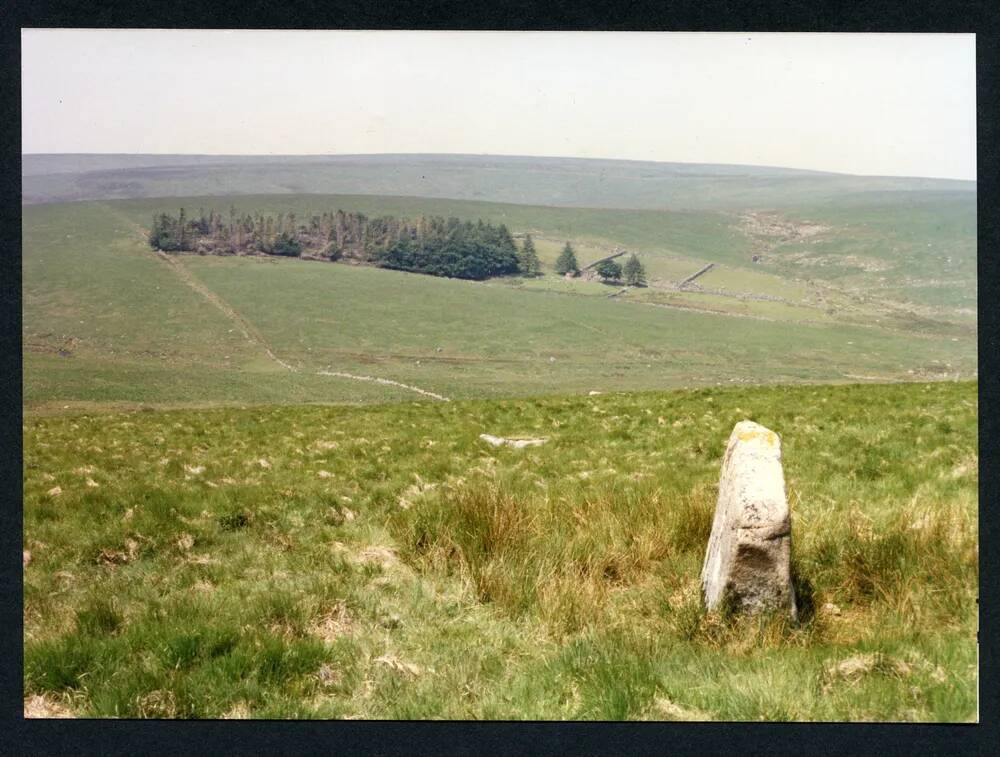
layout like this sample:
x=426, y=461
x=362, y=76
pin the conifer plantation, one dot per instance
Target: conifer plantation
x=429, y=244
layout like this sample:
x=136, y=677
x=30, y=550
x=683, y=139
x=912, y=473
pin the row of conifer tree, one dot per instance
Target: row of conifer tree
x=632, y=273
x=428, y=244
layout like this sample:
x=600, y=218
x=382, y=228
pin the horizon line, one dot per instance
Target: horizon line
x=502, y=155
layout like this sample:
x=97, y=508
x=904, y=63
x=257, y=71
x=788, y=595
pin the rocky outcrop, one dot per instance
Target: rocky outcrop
x=747, y=562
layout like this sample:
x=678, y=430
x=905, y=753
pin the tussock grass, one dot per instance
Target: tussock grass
x=426, y=574
x=570, y=562
x=530, y=552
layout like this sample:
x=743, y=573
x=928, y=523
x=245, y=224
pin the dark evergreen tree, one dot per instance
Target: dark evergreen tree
x=181, y=231
x=165, y=234
x=635, y=274
x=455, y=249
x=566, y=262
x=287, y=245
x=528, y=258
x=609, y=270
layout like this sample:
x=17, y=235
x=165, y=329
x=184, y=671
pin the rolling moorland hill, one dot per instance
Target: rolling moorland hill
x=106, y=319
x=525, y=180
x=798, y=256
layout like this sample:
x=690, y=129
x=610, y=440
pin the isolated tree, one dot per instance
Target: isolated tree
x=609, y=270
x=527, y=258
x=635, y=274
x=566, y=262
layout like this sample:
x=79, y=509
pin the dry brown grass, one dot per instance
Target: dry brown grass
x=46, y=706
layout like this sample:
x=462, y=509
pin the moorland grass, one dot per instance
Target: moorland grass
x=383, y=562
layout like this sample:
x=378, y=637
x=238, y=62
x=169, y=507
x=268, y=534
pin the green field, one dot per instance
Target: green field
x=383, y=562
x=107, y=321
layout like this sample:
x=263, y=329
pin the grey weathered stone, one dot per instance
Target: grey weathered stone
x=499, y=441
x=749, y=551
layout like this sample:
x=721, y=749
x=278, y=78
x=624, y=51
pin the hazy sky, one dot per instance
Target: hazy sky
x=891, y=104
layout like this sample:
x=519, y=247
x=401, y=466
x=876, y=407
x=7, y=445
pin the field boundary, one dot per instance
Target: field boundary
x=246, y=328
x=249, y=332
x=384, y=381
x=696, y=274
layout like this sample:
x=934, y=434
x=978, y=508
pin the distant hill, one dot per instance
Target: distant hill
x=575, y=182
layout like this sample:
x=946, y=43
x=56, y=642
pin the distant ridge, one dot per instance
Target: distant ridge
x=43, y=163
x=593, y=182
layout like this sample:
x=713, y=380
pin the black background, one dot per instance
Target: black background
x=51, y=737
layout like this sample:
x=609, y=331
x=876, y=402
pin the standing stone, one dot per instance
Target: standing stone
x=749, y=551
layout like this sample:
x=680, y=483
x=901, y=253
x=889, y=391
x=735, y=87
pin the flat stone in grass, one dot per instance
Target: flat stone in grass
x=748, y=558
x=499, y=441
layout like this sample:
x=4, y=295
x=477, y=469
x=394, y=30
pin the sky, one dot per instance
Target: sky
x=873, y=104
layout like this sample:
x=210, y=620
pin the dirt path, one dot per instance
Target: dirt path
x=386, y=382
x=249, y=332
x=246, y=328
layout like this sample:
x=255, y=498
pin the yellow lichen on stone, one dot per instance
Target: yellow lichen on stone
x=769, y=437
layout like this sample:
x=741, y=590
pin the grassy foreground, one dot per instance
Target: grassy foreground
x=383, y=562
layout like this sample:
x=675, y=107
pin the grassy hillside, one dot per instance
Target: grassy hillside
x=918, y=244
x=107, y=320
x=525, y=180
x=385, y=563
